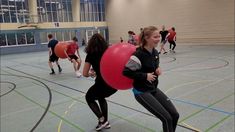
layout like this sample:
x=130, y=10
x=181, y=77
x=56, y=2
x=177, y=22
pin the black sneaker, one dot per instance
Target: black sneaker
x=60, y=70
x=52, y=73
x=165, y=53
x=101, y=125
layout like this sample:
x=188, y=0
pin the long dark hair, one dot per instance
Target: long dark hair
x=96, y=44
x=146, y=33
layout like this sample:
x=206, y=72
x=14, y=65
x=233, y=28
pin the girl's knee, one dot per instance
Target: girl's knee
x=176, y=115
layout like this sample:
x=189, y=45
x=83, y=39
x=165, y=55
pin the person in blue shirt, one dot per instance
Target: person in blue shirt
x=52, y=56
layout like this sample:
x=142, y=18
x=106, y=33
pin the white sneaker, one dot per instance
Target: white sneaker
x=78, y=74
x=102, y=125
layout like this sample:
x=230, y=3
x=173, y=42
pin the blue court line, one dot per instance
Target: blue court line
x=202, y=106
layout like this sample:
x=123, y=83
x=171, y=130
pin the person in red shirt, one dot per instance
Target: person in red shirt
x=70, y=52
x=171, y=39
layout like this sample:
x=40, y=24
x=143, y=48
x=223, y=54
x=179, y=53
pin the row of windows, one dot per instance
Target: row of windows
x=54, y=10
x=14, y=11
x=12, y=39
x=15, y=39
x=17, y=11
x=26, y=38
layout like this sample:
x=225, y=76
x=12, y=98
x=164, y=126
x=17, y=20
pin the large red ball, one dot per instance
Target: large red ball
x=59, y=49
x=112, y=64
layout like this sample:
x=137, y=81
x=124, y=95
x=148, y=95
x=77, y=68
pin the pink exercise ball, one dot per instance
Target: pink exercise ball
x=112, y=64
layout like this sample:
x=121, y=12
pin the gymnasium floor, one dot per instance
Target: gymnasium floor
x=198, y=79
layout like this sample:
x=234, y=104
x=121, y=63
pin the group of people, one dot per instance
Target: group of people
x=166, y=36
x=71, y=52
x=170, y=36
x=143, y=67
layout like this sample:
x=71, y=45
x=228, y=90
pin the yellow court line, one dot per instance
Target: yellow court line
x=197, y=130
x=65, y=113
x=184, y=84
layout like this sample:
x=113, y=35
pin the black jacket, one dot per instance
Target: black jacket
x=139, y=64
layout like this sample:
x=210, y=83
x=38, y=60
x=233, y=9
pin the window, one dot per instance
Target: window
x=3, y=40
x=67, y=36
x=21, y=38
x=54, y=10
x=14, y=11
x=11, y=39
x=92, y=10
x=43, y=37
x=30, y=38
x=59, y=36
x=73, y=34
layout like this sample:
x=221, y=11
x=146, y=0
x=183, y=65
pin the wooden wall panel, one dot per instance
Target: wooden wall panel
x=196, y=21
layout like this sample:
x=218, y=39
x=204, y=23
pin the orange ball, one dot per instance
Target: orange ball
x=59, y=49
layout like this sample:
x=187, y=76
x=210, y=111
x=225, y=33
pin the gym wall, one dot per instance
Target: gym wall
x=199, y=22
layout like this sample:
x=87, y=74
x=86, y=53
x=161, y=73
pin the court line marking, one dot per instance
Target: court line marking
x=65, y=113
x=65, y=120
x=195, y=113
x=16, y=70
x=217, y=123
x=120, y=117
x=205, y=86
x=203, y=106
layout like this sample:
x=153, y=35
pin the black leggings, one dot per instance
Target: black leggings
x=159, y=104
x=99, y=92
x=172, y=43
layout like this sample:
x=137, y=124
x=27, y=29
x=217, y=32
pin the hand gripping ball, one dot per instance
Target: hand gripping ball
x=59, y=49
x=112, y=64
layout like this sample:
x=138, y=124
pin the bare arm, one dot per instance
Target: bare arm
x=78, y=53
x=65, y=52
x=167, y=36
x=86, y=69
x=50, y=51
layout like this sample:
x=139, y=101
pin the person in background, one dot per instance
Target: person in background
x=52, y=56
x=172, y=39
x=70, y=52
x=121, y=40
x=164, y=34
x=131, y=38
x=83, y=42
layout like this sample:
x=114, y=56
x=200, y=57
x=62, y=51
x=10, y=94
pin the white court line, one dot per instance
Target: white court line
x=177, y=69
x=187, y=93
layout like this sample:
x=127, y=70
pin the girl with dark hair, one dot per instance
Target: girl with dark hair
x=143, y=68
x=100, y=90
